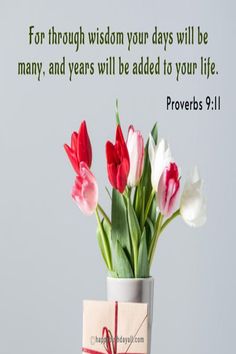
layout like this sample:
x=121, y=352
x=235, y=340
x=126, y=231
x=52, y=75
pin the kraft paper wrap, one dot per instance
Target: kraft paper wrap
x=103, y=319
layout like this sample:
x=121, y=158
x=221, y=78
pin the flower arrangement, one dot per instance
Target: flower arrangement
x=145, y=197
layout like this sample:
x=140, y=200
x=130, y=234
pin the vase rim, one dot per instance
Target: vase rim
x=131, y=279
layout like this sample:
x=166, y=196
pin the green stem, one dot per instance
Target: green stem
x=156, y=235
x=108, y=192
x=105, y=242
x=173, y=216
x=134, y=244
x=135, y=250
x=148, y=206
x=127, y=192
x=102, y=211
x=158, y=230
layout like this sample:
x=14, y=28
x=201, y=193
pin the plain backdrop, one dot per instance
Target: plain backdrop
x=49, y=259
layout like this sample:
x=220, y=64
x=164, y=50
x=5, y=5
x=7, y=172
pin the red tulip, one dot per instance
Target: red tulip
x=80, y=149
x=85, y=190
x=168, y=189
x=118, y=164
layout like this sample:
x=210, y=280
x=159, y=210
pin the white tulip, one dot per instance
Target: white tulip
x=193, y=203
x=160, y=157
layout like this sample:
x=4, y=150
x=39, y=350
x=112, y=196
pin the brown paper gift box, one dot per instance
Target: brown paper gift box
x=105, y=321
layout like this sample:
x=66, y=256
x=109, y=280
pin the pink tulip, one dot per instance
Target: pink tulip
x=85, y=190
x=168, y=189
x=135, y=147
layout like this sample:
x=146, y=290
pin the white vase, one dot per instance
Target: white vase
x=133, y=290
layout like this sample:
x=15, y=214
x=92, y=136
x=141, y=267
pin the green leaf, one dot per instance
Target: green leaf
x=143, y=206
x=122, y=265
x=107, y=229
x=146, y=177
x=120, y=227
x=139, y=202
x=149, y=232
x=143, y=265
x=101, y=245
x=117, y=113
x=153, y=211
x=134, y=226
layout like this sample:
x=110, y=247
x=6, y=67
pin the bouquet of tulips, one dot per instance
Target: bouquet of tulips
x=145, y=197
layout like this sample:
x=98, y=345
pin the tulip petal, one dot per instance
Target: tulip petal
x=160, y=157
x=72, y=157
x=80, y=149
x=85, y=190
x=111, y=153
x=193, y=203
x=122, y=175
x=74, y=137
x=112, y=174
x=135, y=146
x=168, y=189
x=118, y=163
x=84, y=148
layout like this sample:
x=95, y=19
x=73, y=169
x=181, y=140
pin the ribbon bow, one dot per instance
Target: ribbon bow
x=109, y=341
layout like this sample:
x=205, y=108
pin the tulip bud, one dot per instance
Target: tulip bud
x=80, y=149
x=135, y=147
x=84, y=149
x=118, y=164
x=85, y=190
x=193, y=203
x=160, y=157
x=168, y=189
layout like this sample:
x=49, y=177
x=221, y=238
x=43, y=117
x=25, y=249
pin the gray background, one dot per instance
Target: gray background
x=49, y=259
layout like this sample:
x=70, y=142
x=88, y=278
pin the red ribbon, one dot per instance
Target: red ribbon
x=106, y=333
